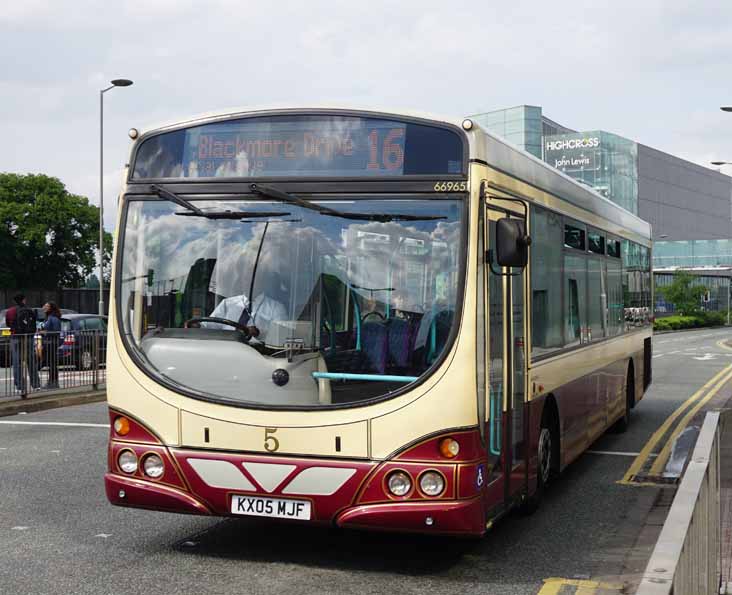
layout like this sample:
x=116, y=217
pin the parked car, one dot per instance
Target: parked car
x=5, y=359
x=83, y=341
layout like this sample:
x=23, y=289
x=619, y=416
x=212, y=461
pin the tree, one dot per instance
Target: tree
x=48, y=236
x=684, y=293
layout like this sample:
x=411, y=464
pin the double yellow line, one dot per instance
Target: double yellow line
x=693, y=404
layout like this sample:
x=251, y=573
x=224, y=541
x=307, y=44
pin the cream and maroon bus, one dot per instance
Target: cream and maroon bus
x=363, y=319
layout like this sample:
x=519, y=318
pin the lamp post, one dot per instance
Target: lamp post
x=115, y=83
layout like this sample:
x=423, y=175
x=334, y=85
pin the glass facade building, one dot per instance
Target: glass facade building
x=688, y=206
x=692, y=253
x=524, y=126
x=606, y=162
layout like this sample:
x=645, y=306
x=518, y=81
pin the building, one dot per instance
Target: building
x=688, y=206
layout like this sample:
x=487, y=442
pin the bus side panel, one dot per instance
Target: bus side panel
x=572, y=399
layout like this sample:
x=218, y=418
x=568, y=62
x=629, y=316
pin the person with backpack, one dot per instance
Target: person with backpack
x=22, y=322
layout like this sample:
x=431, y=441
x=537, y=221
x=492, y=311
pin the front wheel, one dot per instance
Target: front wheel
x=545, y=464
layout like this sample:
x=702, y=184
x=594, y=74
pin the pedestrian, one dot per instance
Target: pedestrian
x=22, y=322
x=51, y=331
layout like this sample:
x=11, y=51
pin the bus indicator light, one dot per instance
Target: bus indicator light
x=122, y=426
x=449, y=448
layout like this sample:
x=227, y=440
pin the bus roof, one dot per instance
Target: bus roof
x=483, y=145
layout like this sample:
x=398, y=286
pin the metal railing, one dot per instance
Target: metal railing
x=43, y=361
x=686, y=559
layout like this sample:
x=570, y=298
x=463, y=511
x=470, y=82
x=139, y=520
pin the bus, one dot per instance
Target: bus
x=363, y=319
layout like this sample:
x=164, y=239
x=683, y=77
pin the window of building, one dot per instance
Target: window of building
x=613, y=248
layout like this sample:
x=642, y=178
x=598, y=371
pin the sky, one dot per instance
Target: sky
x=653, y=71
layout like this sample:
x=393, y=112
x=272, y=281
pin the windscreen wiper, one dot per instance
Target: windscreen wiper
x=288, y=198
x=194, y=211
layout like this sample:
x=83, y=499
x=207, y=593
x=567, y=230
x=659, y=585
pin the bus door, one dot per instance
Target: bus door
x=506, y=376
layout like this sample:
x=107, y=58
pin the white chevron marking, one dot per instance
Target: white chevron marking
x=268, y=475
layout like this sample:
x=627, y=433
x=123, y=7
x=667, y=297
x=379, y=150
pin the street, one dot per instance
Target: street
x=60, y=535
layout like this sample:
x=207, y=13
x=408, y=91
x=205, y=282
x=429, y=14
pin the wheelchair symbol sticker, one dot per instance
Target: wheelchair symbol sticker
x=480, y=476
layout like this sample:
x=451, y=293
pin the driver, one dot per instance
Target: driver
x=266, y=307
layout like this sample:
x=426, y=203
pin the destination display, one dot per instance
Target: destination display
x=293, y=146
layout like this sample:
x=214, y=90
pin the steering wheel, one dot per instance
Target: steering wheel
x=240, y=327
x=379, y=314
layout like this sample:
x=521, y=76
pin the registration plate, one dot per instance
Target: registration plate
x=279, y=508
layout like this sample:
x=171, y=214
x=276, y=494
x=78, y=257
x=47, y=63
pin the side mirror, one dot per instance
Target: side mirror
x=512, y=243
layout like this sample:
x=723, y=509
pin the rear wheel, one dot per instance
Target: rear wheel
x=624, y=422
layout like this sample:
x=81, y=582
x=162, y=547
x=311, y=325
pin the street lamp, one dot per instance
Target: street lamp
x=721, y=162
x=115, y=83
x=726, y=108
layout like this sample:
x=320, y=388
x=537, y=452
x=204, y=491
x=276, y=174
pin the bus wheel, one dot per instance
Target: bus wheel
x=545, y=464
x=624, y=422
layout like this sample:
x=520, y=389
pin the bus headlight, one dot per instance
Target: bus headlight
x=431, y=483
x=127, y=461
x=399, y=483
x=153, y=466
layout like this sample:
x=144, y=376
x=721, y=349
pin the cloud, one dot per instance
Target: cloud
x=653, y=71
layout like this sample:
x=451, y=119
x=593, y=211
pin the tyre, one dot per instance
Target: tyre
x=624, y=422
x=547, y=461
x=85, y=360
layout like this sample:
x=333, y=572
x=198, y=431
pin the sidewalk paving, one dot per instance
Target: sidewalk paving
x=52, y=399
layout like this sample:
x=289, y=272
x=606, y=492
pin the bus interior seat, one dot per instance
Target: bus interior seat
x=402, y=336
x=375, y=344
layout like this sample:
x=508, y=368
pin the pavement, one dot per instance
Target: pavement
x=592, y=534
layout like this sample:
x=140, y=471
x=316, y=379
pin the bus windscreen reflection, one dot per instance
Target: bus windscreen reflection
x=299, y=307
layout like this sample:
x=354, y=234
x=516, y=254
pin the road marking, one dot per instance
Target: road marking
x=645, y=452
x=663, y=456
x=705, y=357
x=723, y=345
x=658, y=355
x=554, y=586
x=103, y=535
x=609, y=452
x=19, y=528
x=53, y=423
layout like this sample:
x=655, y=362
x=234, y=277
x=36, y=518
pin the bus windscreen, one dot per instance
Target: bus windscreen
x=315, y=146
